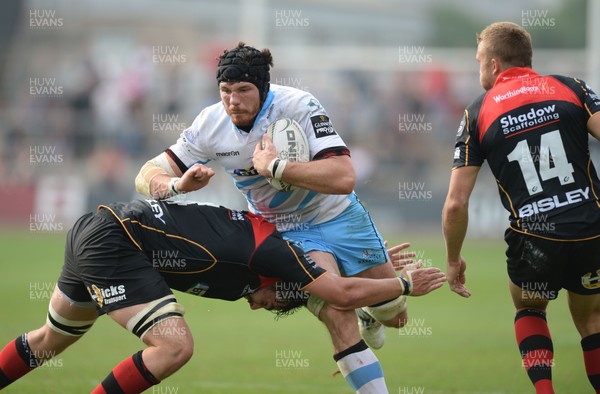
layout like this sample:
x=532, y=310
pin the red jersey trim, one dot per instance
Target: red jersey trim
x=517, y=87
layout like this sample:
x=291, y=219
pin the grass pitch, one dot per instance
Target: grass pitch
x=451, y=345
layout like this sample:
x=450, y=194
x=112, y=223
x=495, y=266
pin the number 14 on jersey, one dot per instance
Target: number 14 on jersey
x=553, y=162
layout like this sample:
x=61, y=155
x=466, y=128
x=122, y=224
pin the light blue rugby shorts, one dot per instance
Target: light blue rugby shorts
x=351, y=237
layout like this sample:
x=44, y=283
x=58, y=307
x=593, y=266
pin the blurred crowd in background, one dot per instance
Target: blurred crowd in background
x=89, y=92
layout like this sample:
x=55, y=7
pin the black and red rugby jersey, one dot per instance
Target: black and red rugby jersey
x=532, y=131
x=212, y=251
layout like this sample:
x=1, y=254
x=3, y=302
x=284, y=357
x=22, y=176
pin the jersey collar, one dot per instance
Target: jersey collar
x=515, y=73
x=267, y=103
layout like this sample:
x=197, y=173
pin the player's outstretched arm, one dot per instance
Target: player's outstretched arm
x=351, y=293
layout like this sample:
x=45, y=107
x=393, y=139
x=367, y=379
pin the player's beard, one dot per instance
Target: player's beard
x=242, y=123
x=242, y=118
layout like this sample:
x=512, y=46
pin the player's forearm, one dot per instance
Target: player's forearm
x=164, y=186
x=455, y=220
x=351, y=293
x=156, y=178
x=359, y=292
x=328, y=176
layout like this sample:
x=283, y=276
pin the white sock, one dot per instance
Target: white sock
x=361, y=369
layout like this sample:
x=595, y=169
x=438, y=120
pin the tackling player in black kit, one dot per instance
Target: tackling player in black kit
x=533, y=131
x=124, y=259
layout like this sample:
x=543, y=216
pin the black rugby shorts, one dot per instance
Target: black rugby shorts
x=103, y=265
x=546, y=266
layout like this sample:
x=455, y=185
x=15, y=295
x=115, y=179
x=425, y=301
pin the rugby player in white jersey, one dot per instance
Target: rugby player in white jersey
x=321, y=214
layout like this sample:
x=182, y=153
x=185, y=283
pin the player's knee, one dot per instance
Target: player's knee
x=397, y=321
x=44, y=343
x=161, y=325
x=173, y=341
x=179, y=350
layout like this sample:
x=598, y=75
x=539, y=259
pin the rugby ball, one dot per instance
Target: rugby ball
x=291, y=144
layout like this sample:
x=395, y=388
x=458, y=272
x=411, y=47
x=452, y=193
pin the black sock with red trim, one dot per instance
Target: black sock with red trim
x=16, y=360
x=129, y=377
x=536, y=348
x=591, y=357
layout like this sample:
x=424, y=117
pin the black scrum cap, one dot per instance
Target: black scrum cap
x=246, y=64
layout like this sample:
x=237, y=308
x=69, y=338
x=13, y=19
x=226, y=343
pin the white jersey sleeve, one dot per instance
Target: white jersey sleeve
x=305, y=109
x=191, y=147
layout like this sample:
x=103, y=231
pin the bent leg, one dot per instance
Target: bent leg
x=65, y=324
x=161, y=326
x=585, y=310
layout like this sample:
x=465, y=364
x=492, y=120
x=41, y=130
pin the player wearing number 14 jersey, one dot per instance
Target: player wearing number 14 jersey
x=533, y=131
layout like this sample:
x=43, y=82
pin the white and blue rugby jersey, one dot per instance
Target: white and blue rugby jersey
x=213, y=137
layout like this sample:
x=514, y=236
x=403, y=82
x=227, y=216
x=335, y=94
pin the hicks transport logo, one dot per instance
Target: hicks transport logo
x=107, y=295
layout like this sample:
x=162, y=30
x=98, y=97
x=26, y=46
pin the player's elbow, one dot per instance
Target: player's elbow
x=348, y=184
x=339, y=174
x=344, y=183
x=456, y=203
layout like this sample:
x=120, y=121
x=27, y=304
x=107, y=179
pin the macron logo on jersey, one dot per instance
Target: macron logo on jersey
x=227, y=154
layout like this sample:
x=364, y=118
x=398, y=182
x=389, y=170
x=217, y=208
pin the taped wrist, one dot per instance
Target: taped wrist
x=406, y=283
x=276, y=167
x=172, y=187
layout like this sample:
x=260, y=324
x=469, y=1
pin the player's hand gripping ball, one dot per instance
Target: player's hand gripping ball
x=291, y=144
